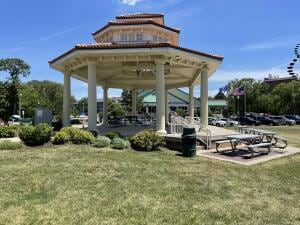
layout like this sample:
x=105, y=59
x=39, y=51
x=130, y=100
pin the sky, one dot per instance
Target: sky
x=256, y=37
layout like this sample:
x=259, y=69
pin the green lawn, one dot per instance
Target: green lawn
x=85, y=185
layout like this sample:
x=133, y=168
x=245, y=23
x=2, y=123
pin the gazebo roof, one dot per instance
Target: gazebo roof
x=99, y=46
x=135, y=22
x=140, y=15
x=130, y=66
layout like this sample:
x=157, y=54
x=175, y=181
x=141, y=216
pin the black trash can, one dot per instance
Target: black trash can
x=188, y=141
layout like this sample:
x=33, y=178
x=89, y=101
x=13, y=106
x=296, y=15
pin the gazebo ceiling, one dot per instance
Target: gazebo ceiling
x=133, y=66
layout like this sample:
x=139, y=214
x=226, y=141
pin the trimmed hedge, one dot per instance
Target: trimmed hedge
x=9, y=145
x=118, y=143
x=61, y=138
x=147, y=140
x=9, y=131
x=113, y=134
x=102, y=142
x=74, y=135
x=35, y=135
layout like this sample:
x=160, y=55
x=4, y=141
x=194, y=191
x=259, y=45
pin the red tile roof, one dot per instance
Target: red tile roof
x=140, y=15
x=138, y=22
x=98, y=46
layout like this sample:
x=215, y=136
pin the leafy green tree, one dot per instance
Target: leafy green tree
x=43, y=94
x=3, y=101
x=16, y=68
x=127, y=101
x=115, y=108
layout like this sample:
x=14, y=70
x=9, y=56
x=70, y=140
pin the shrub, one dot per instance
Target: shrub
x=118, y=143
x=127, y=144
x=9, y=145
x=9, y=131
x=102, y=142
x=147, y=140
x=61, y=138
x=94, y=133
x=113, y=134
x=83, y=137
x=37, y=135
x=71, y=132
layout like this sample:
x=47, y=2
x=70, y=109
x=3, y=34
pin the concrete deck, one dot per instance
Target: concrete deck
x=242, y=157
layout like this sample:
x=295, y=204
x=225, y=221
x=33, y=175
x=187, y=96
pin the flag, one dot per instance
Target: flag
x=240, y=91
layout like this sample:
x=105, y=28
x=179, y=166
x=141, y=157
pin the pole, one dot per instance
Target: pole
x=238, y=109
x=245, y=106
x=20, y=107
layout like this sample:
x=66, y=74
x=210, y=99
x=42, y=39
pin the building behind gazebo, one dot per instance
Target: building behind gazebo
x=136, y=52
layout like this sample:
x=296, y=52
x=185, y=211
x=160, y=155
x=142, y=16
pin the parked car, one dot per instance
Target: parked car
x=246, y=120
x=75, y=122
x=265, y=120
x=13, y=121
x=230, y=122
x=216, y=122
x=292, y=117
x=289, y=121
x=279, y=119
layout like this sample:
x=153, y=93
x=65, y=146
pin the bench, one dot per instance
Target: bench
x=260, y=145
x=218, y=143
x=284, y=140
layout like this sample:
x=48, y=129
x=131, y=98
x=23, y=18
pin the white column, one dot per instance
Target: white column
x=191, y=101
x=66, y=100
x=105, y=105
x=167, y=107
x=204, y=98
x=92, y=97
x=160, y=97
x=133, y=102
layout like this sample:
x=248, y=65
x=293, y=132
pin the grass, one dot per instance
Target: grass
x=85, y=185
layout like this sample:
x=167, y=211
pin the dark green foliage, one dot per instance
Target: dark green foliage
x=113, y=134
x=9, y=145
x=15, y=69
x=35, y=135
x=57, y=125
x=94, y=133
x=147, y=140
x=102, y=142
x=61, y=138
x=118, y=143
x=9, y=131
x=180, y=112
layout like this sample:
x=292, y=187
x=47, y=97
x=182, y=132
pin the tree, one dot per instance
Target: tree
x=43, y=94
x=15, y=68
x=115, y=109
x=220, y=95
x=82, y=106
x=3, y=101
x=127, y=101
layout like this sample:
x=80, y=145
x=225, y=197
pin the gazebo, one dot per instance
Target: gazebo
x=136, y=52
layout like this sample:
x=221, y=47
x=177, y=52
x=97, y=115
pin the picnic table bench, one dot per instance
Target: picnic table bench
x=281, y=139
x=260, y=145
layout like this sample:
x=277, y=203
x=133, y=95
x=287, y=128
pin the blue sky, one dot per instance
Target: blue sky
x=256, y=37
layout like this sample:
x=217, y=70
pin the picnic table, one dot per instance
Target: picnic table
x=236, y=139
x=265, y=134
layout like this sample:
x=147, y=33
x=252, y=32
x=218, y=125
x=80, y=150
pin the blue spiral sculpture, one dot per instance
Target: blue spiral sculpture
x=291, y=67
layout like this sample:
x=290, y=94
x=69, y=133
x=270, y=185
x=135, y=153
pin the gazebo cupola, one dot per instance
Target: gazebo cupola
x=136, y=52
x=137, y=28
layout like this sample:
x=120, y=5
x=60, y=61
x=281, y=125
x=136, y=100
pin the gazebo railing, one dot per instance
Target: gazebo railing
x=203, y=133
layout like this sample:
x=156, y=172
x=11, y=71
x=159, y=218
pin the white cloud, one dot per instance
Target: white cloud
x=129, y=2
